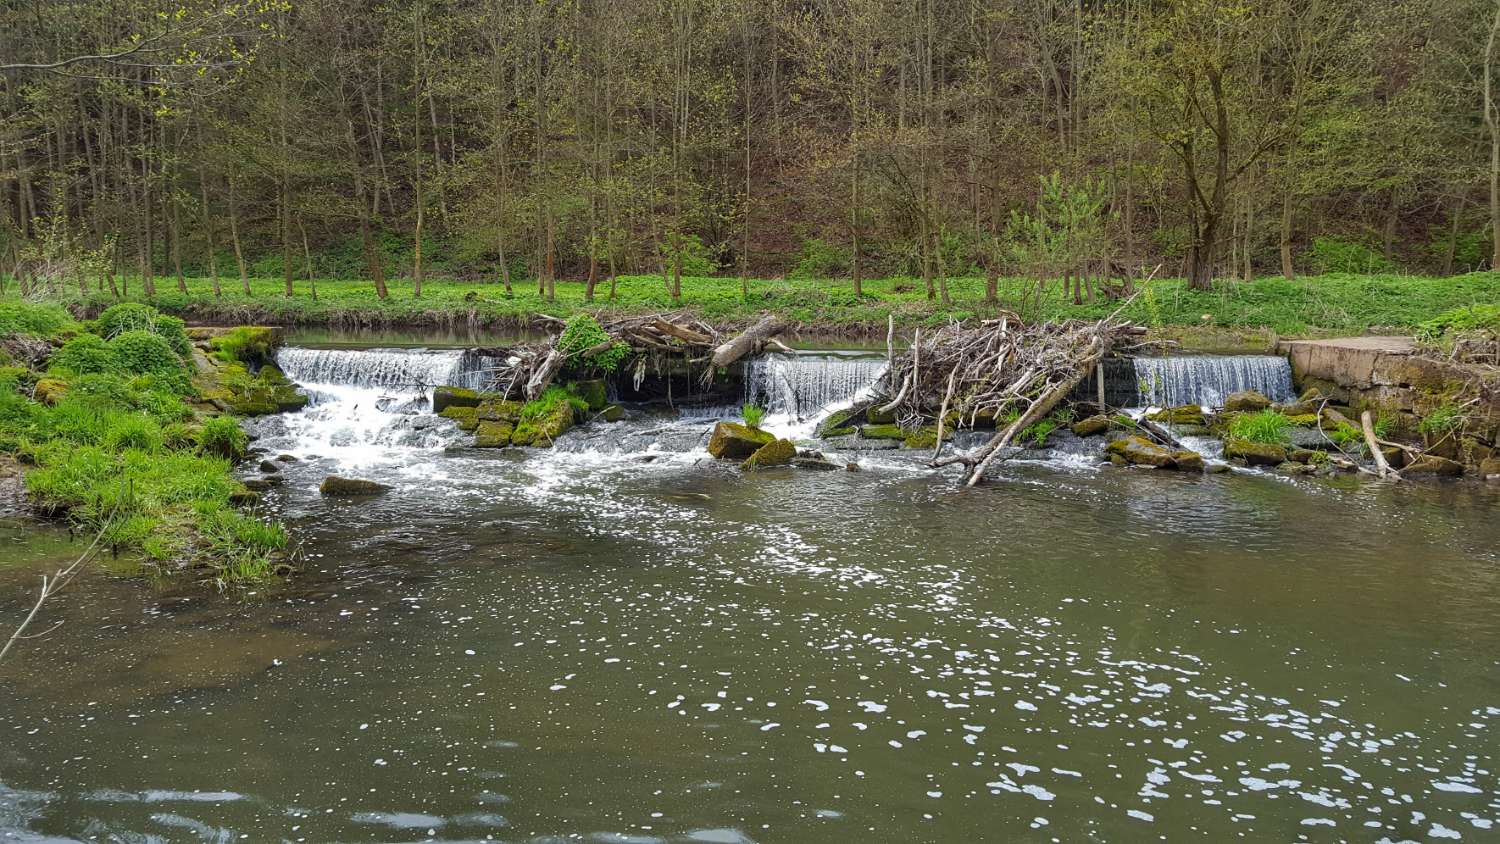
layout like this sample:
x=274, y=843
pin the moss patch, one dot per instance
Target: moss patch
x=733, y=441
x=774, y=453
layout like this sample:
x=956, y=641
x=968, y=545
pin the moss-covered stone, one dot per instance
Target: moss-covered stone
x=875, y=416
x=493, y=434
x=542, y=431
x=1140, y=451
x=1255, y=454
x=1187, y=461
x=1490, y=469
x=884, y=431
x=50, y=390
x=466, y=417
x=1246, y=401
x=244, y=497
x=445, y=397
x=1304, y=420
x=774, y=453
x=594, y=392
x=1187, y=414
x=336, y=486
x=612, y=413
x=1431, y=464
x=1092, y=426
x=924, y=437
x=733, y=441
x=498, y=410
x=836, y=424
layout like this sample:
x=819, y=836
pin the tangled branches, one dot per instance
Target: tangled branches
x=1000, y=369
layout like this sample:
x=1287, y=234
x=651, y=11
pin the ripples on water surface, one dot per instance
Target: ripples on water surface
x=585, y=647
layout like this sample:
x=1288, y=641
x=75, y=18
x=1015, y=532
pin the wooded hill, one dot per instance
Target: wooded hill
x=511, y=139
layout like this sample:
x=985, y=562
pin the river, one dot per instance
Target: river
x=643, y=647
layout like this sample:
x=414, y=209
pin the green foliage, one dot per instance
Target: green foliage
x=242, y=545
x=583, y=333
x=249, y=345
x=1065, y=228
x=1445, y=419
x=697, y=259
x=549, y=400
x=1335, y=255
x=753, y=415
x=821, y=259
x=1484, y=317
x=1265, y=426
x=1039, y=431
x=146, y=353
x=133, y=431
x=1344, y=434
x=86, y=354
x=222, y=436
x=32, y=319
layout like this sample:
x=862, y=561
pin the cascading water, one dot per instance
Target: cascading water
x=1208, y=379
x=367, y=405
x=802, y=387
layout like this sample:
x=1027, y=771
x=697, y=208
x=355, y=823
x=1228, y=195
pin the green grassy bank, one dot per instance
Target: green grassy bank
x=106, y=419
x=1312, y=305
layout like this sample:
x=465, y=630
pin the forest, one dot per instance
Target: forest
x=526, y=141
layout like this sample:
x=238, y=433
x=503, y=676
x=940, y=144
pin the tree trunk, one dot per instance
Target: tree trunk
x=750, y=340
x=208, y=232
x=1286, y=236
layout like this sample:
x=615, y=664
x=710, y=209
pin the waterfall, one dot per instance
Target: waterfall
x=1208, y=379
x=369, y=406
x=806, y=386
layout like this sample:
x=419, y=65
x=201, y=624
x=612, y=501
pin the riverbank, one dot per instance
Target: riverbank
x=1306, y=307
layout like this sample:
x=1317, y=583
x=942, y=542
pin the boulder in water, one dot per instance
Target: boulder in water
x=612, y=413
x=875, y=416
x=261, y=484
x=1186, y=414
x=493, y=434
x=838, y=424
x=498, y=410
x=1246, y=401
x=1187, y=461
x=1092, y=426
x=1139, y=451
x=244, y=496
x=337, y=486
x=270, y=467
x=286, y=458
x=446, y=397
x=733, y=441
x=1431, y=464
x=925, y=437
x=466, y=417
x=774, y=453
x=883, y=431
x=593, y=391
x=541, y=431
x=1255, y=454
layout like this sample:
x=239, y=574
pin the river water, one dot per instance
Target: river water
x=649, y=646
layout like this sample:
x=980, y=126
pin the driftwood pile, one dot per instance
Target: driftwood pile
x=527, y=370
x=1001, y=369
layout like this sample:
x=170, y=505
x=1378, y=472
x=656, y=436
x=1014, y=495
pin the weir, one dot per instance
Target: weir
x=405, y=371
x=1208, y=379
x=806, y=385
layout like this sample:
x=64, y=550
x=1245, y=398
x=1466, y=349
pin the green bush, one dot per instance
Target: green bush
x=821, y=259
x=753, y=415
x=222, y=436
x=145, y=353
x=550, y=398
x=247, y=344
x=1335, y=255
x=1484, y=317
x=86, y=354
x=131, y=316
x=1443, y=420
x=1265, y=426
x=583, y=333
x=697, y=259
x=138, y=432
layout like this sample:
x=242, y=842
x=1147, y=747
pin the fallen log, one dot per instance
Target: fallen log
x=1382, y=467
x=542, y=376
x=749, y=341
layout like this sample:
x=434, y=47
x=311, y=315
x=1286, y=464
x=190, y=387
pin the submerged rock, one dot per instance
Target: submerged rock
x=594, y=392
x=1187, y=414
x=820, y=463
x=774, y=453
x=883, y=431
x=733, y=441
x=270, y=467
x=1187, y=461
x=260, y=484
x=1255, y=454
x=612, y=413
x=337, y=486
x=1246, y=401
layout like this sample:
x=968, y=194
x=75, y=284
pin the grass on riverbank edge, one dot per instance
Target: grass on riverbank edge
x=1308, y=306
x=112, y=444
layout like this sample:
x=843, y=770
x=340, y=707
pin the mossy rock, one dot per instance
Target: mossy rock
x=594, y=392
x=289, y=400
x=1246, y=401
x=1431, y=464
x=1139, y=451
x=924, y=438
x=334, y=485
x=876, y=417
x=493, y=434
x=1187, y=414
x=1092, y=426
x=1255, y=454
x=1310, y=456
x=445, y=397
x=1303, y=420
x=466, y=417
x=885, y=431
x=1187, y=461
x=50, y=390
x=733, y=441
x=272, y=374
x=774, y=453
x=836, y=424
x=498, y=410
x=244, y=497
x=1490, y=468
x=541, y=431
x=612, y=413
